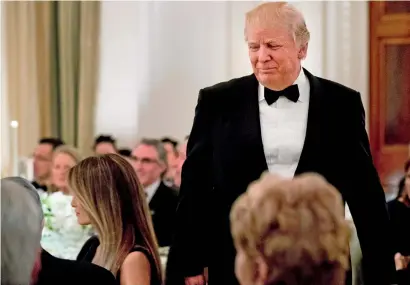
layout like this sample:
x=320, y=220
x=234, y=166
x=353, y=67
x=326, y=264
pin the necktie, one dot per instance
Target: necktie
x=291, y=92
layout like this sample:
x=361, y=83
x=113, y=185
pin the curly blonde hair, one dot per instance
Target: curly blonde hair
x=297, y=227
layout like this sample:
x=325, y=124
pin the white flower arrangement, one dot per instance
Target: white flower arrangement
x=62, y=235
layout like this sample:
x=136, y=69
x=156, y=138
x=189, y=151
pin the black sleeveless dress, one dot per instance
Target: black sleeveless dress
x=89, y=249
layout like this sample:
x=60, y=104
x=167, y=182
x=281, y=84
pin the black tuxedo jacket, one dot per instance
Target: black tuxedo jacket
x=225, y=154
x=163, y=206
x=60, y=271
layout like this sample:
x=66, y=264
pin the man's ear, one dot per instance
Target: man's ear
x=261, y=271
x=303, y=51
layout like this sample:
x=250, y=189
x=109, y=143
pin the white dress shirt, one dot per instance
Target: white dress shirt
x=283, y=126
x=151, y=189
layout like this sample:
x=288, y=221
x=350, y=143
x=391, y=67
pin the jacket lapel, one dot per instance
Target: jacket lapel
x=248, y=128
x=256, y=144
x=311, y=147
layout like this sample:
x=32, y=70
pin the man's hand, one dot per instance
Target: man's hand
x=195, y=280
x=401, y=261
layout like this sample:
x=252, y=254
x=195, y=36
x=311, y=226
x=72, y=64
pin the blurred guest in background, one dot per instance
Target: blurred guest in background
x=399, y=210
x=290, y=232
x=23, y=261
x=42, y=160
x=104, y=144
x=64, y=158
x=151, y=163
x=171, y=147
x=181, y=160
x=21, y=222
x=125, y=152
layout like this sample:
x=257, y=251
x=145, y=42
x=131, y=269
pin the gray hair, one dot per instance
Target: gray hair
x=21, y=226
x=273, y=12
x=159, y=146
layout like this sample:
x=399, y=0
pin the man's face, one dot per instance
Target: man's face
x=182, y=150
x=171, y=154
x=181, y=160
x=147, y=164
x=274, y=55
x=42, y=159
x=104, y=148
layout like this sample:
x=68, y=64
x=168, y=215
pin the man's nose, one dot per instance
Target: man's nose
x=263, y=54
x=138, y=165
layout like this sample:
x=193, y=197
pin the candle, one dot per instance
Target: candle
x=14, y=143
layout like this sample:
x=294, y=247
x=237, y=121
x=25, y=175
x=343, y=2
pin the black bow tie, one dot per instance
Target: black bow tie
x=291, y=92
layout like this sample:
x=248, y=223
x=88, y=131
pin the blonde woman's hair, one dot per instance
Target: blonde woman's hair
x=297, y=227
x=269, y=15
x=70, y=151
x=109, y=191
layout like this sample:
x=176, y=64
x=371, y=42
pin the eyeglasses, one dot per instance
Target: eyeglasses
x=144, y=160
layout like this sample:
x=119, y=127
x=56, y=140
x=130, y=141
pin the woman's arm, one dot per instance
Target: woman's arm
x=135, y=270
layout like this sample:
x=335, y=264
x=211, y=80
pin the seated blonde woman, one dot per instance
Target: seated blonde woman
x=108, y=195
x=62, y=235
x=64, y=158
x=290, y=232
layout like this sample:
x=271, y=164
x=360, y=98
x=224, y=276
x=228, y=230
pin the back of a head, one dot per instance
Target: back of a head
x=104, y=139
x=54, y=142
x=125, y=152
x=21, y=226
x=296, y=227
x=170, y=141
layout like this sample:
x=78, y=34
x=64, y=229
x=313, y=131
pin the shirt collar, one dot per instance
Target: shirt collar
x=151, y=189
x=301, y=81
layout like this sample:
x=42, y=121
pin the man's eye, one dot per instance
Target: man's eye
x=274, y=46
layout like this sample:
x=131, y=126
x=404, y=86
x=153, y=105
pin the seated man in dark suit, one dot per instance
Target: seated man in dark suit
x=42, y=161
x=23, y=261
x=150, y=162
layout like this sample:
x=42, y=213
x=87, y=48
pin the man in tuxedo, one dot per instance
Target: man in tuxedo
x=150, y=162
x=23, y=261
x=280, y=119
